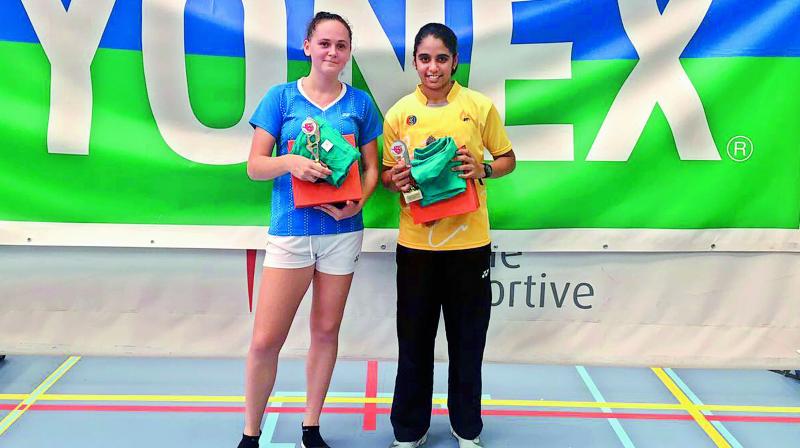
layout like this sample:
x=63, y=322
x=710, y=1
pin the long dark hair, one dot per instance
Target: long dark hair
x=441, y=32
x=322, y=16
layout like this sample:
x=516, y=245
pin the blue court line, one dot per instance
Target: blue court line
x=696, y=400
x=271, y=421
x=615, y=425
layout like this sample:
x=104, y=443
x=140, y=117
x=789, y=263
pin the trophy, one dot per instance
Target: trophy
x=311, y=129
x=399, y=151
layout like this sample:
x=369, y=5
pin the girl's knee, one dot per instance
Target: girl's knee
x=325, y=332
x=266, y=346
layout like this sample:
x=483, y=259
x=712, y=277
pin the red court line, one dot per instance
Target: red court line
x=753, y=419
x=185, y=409
x=579, y=414
x=383, y=410
x=137, y=408
x=371, y=409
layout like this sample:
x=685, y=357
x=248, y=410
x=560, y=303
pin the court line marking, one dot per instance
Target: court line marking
x=385, y=410
x=386, y=399
x=698, y=416
x=268, y=431
x=696, y=400
x=598, y=396
x=271, y=420
x=371, y=391
x=31, y=398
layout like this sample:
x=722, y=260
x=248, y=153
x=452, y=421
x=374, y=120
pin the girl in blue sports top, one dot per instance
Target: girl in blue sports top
x=319, y=244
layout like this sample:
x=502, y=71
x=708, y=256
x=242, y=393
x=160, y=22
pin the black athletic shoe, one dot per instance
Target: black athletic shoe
x=249, y=441
x=312, y=439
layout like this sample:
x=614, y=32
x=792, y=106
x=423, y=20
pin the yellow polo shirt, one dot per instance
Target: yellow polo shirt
x=471, y=120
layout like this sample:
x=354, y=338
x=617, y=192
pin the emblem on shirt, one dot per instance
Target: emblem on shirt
x=411, y=120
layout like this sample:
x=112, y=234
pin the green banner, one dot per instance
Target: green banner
x=698, y=130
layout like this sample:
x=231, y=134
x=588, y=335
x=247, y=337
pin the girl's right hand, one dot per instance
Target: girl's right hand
x=401, y=176
x=307, y=169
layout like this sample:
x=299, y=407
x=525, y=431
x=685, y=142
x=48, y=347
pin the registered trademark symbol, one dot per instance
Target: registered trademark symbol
x=740, y=148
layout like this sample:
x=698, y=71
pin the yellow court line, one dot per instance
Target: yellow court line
x=202, y=398
x=698, y=416
x=745, y=408
x=147, y=398
x=350, y=400
x=586, y=404
x=388, y=400
x=31, y=398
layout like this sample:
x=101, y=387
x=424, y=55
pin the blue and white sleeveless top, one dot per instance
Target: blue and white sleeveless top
x=281, y=112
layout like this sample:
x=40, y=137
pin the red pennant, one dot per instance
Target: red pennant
x=251, y=275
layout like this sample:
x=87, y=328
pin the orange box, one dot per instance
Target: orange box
x=310, y=194
x=457, y=205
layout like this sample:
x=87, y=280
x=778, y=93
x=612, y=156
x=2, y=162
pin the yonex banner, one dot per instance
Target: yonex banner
x=639, y=124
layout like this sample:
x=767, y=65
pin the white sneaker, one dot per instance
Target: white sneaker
x=465, y=443
x=413, y=444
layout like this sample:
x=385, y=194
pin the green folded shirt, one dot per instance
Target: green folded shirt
x=432, y=167
x=338, y=157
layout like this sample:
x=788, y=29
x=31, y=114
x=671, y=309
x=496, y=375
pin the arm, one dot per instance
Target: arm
x=472, y=169
x=262, y=166
x=503, y=164
x=493, y=137
x=369, y=154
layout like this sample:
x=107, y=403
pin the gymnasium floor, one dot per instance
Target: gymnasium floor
x=161, y=402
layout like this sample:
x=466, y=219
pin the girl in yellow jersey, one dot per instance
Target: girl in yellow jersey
x=443, y=267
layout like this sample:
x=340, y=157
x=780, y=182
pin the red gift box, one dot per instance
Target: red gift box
x=459, y=204
x=309, y=194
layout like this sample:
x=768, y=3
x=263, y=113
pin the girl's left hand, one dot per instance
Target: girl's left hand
x=469, y=167
x=350, y=209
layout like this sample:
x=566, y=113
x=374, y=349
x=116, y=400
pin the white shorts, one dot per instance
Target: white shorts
x=333, y=254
